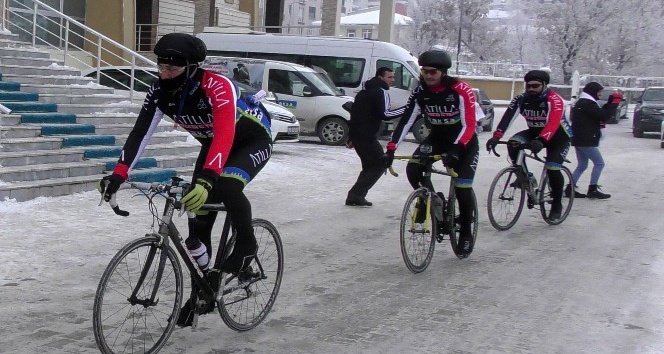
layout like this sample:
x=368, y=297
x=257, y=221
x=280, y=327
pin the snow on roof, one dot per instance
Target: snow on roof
x=368, y=18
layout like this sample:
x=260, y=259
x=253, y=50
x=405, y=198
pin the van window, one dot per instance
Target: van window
x=280, y=81
x=402, y=76
x=344, y=72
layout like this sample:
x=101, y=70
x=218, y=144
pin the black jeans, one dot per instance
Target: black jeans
x=370, y=152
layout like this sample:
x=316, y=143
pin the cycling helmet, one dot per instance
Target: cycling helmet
x=537, y=75
x=435, y=58
x=180, y=49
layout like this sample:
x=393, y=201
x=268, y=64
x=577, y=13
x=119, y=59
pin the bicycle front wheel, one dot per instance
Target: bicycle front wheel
x=453, y=210
x=417, y=234
x=546, y=198
x=127, y=318
x=248, y=297
x=506, y=199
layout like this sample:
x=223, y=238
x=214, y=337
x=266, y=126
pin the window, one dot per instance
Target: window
x=402, y=77
x=366, y=33
x=344, y=72
x=312, y=13
x=300, y=15
x=350, y=33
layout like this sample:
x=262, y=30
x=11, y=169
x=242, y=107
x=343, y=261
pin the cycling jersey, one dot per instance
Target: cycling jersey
x=207, y=108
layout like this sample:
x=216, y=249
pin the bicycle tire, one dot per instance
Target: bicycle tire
x=453, y=210
x=135, y=321
x=417, y=239
x=545, y=198
x=247, y=306
x=505, y=203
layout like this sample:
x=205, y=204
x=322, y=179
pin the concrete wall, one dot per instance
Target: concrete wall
x=115, y=19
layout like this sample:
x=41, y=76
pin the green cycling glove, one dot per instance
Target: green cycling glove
x=197, y=195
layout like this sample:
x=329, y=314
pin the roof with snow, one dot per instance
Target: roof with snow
x=368, y=18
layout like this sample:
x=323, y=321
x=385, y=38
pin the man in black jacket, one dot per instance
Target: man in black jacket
x=587, y=120
x=371, y=106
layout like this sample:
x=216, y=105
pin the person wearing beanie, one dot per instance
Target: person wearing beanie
x=587, y=120
x=236, y=144
x=544, y=111
x=448, y=105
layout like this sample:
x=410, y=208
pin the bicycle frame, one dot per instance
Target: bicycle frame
x=532, y=191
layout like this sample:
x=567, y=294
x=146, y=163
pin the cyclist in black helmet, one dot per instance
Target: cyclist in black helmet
x=448, y=105
x=544, y=111
x=235, y=145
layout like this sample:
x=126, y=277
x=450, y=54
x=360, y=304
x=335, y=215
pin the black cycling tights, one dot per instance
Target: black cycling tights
x=229, y=191
x=556, y=181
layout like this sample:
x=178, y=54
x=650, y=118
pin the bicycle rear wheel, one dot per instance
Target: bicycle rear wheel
x=506, y=199
x=248, y=297
x=125, y=324
x=417, y=234
x=546, y=198
x=453, y=209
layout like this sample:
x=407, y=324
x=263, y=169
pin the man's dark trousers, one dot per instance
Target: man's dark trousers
x=370, y=152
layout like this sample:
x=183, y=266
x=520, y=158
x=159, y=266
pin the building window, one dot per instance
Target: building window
x=300, y=15
x=312, y=13
x=350, y=33
x=366, y=33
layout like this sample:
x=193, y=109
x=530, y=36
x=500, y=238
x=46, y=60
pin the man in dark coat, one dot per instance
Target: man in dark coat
x=587, y=120
x=371, y=107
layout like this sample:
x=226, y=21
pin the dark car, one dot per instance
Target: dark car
x=649, y=112
x=420, y=130
x=621, y=112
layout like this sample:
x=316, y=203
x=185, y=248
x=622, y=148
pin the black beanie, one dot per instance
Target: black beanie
x=593, y=88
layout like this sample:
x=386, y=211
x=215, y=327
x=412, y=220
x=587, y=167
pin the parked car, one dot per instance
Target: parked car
x=285, y=127
x=118, y=77
x=421, y=131
x=661, y=136
x=621, y=112
x=649, y=112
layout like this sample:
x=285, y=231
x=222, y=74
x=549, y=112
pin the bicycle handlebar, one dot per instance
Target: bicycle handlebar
x=154, y=187
x=433, y=158
x=518, y=145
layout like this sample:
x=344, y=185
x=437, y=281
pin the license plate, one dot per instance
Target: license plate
x=293, y=130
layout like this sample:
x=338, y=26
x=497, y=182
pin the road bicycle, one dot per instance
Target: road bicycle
x=428, y=217
x=515, y=186
x=140, y=293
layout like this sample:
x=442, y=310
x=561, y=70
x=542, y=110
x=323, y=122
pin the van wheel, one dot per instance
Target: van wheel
x=333, y=131
x=420, y=130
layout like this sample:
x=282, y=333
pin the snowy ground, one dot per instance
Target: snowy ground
x=594, y=284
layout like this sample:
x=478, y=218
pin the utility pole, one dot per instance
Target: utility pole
x=459, y=38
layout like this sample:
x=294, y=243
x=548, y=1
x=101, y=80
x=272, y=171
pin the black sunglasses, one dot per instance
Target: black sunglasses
x=534, y=86
x=429, y=71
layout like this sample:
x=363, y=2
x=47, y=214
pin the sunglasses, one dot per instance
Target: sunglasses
x=169, y=68
x=533, y=86
x=429, y=71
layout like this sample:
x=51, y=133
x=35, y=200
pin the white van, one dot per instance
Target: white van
x=349, y=62
x=313, y=100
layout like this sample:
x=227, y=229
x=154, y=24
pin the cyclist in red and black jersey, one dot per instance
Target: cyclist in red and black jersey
x=235, y=145
x=544, y=111
x=448, y=105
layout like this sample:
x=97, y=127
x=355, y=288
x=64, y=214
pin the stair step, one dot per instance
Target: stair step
x=38, y=70
x=158, y=138
x=25, y=53
x=53, y=170
x=74, y=89
x=22, y=191
x=6, y=59
x=143, y=162
x=40, y=157
x=62, y=129
x=17, y=96
x=10, y=86
x=30, y=144
x=48, y=118
x=10, y=119
x=13, y=42
x=89, y=98
x=116, y=107
x=20, y=131
x=125, y=128
x=86, y=140
x=20, y=107
x=100, y=119
x=52, y=79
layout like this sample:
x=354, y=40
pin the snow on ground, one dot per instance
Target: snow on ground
x=594, y=284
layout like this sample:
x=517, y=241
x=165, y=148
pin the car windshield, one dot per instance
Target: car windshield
x=317, y=80
x=653, y=95
x=246, y=88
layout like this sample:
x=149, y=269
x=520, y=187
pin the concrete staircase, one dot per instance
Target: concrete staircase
x=65, y=132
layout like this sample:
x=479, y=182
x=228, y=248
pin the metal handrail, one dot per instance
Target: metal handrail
x=65, y=27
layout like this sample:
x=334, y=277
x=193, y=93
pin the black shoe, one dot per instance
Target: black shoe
x=465, y=245
x=556, y=211
x=186, y=317
x=595, y=193
x=356, y=201
x=577, y=194
x=240, y=258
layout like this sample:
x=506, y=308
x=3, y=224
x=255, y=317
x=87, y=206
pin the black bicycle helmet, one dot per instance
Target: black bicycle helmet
x=537, y=75
x=436, y=59
x=180, y=49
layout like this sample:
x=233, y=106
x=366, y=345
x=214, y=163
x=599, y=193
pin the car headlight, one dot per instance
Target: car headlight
x=283, y=117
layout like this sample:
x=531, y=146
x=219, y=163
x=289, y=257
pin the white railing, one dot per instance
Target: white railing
x=44, y=26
